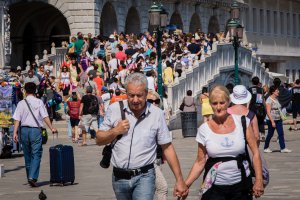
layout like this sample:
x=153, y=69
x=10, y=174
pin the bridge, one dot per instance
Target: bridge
x=217, y=68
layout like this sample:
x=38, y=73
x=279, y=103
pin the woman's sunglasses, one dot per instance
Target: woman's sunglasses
x=156, y=101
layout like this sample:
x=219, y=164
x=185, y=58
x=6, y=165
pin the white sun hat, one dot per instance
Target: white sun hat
x=240, y=95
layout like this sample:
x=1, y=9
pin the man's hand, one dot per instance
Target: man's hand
x=16, y=139
x=180, y=189
x=122, y=127
x=54, y=130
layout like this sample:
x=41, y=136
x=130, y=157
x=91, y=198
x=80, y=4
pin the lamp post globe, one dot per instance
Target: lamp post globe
x=235, y=10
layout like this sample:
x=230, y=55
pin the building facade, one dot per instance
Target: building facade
x=272, y=27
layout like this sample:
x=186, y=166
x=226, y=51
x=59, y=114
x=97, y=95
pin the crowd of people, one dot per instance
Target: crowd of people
x=100, y=71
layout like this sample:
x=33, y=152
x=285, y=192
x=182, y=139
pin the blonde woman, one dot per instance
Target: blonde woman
x=221, y=150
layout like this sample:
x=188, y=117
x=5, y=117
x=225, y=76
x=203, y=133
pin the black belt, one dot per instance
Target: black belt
x=128, y=174
x=28, y=127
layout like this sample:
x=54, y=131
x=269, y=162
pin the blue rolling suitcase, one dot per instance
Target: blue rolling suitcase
x=62, y=167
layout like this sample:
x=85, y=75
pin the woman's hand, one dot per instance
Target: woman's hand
x=273, y=124
x=258, y=188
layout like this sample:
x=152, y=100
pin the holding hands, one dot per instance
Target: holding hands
x=181, y=190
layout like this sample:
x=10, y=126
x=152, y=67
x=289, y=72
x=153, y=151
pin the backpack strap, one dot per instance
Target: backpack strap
x=121, y=104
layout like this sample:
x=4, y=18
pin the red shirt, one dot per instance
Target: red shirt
x=99, y=81
x=74, y=109
x=121, y=56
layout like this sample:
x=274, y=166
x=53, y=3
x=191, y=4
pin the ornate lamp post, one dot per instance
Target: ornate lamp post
x=158, y=19
x=236, y=35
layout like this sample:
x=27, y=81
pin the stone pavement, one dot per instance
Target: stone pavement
x=94, y=183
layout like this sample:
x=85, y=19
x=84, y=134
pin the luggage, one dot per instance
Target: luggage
x=62, y=168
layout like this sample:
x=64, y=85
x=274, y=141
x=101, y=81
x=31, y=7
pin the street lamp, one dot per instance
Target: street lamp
x=159, y=19
x=236, y=35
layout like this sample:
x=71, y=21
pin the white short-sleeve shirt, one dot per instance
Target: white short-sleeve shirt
x=225, y=145
x=137, y=147
x=23, y=114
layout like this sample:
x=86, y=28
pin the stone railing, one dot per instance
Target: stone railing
x=57, y=55
x=206, y=71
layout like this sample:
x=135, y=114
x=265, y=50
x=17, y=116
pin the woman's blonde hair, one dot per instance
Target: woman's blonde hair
x=153, y=93
x=217, y=90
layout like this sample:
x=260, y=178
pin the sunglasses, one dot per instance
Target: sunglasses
x=156, y=101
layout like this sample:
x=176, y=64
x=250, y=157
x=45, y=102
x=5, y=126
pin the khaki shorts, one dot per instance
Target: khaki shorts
x=89, y=121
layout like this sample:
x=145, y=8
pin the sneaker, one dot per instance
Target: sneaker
x=285, y=150
x=268, y=150
x=32, y=183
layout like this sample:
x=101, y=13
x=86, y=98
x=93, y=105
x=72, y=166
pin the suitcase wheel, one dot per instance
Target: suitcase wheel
x=72, y=182
x=62, y=184
x=51, y=184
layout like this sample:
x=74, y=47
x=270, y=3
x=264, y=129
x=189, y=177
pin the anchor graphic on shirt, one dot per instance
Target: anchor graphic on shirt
x=227, y=143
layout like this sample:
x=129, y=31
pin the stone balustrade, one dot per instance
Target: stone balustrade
x=206, y=71
x=57, y=55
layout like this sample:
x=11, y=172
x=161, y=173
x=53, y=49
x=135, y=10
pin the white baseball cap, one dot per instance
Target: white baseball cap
x=240, y=95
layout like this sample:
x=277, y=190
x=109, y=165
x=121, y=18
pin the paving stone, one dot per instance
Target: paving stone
x=94, y=183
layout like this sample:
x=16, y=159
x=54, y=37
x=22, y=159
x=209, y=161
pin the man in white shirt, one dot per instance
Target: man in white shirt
x=32, y=78
x=30, y=131
x=113, y=63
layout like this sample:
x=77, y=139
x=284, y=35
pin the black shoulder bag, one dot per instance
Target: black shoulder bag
x=43, y=130
x=107, y=150
x=265, y=171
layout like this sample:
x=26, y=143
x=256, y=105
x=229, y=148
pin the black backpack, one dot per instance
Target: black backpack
x=94, y=105
x=256, y=103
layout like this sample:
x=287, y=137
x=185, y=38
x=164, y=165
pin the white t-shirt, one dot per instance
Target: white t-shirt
x=151, y=83
x=113, y=64
x=50, y=68
x=225, y=145
x=106, y=98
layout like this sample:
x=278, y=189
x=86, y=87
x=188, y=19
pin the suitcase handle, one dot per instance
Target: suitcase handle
x=53, y=143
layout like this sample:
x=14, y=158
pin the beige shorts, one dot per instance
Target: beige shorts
x=89, y=121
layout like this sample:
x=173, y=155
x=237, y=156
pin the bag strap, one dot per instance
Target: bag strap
x=32, y=114
x=243, y=119
x=121, y=104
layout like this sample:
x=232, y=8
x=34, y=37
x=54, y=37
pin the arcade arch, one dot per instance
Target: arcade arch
x=213, y=25
x=195, y=23
x=34, y=26
x=108, y=20
x=132, y=24
x=176, y=20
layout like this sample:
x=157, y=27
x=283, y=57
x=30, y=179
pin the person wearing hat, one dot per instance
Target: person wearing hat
x=240, y=97
x=221, y=146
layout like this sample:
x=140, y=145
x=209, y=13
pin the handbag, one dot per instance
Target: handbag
x=282, y=115
x=265, y=171
x=107, y=150
x=43, y=130
x=181, y=107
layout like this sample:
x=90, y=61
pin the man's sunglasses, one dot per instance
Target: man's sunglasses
x=156, y=101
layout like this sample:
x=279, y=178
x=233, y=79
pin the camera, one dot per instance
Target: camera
x=107, y=151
